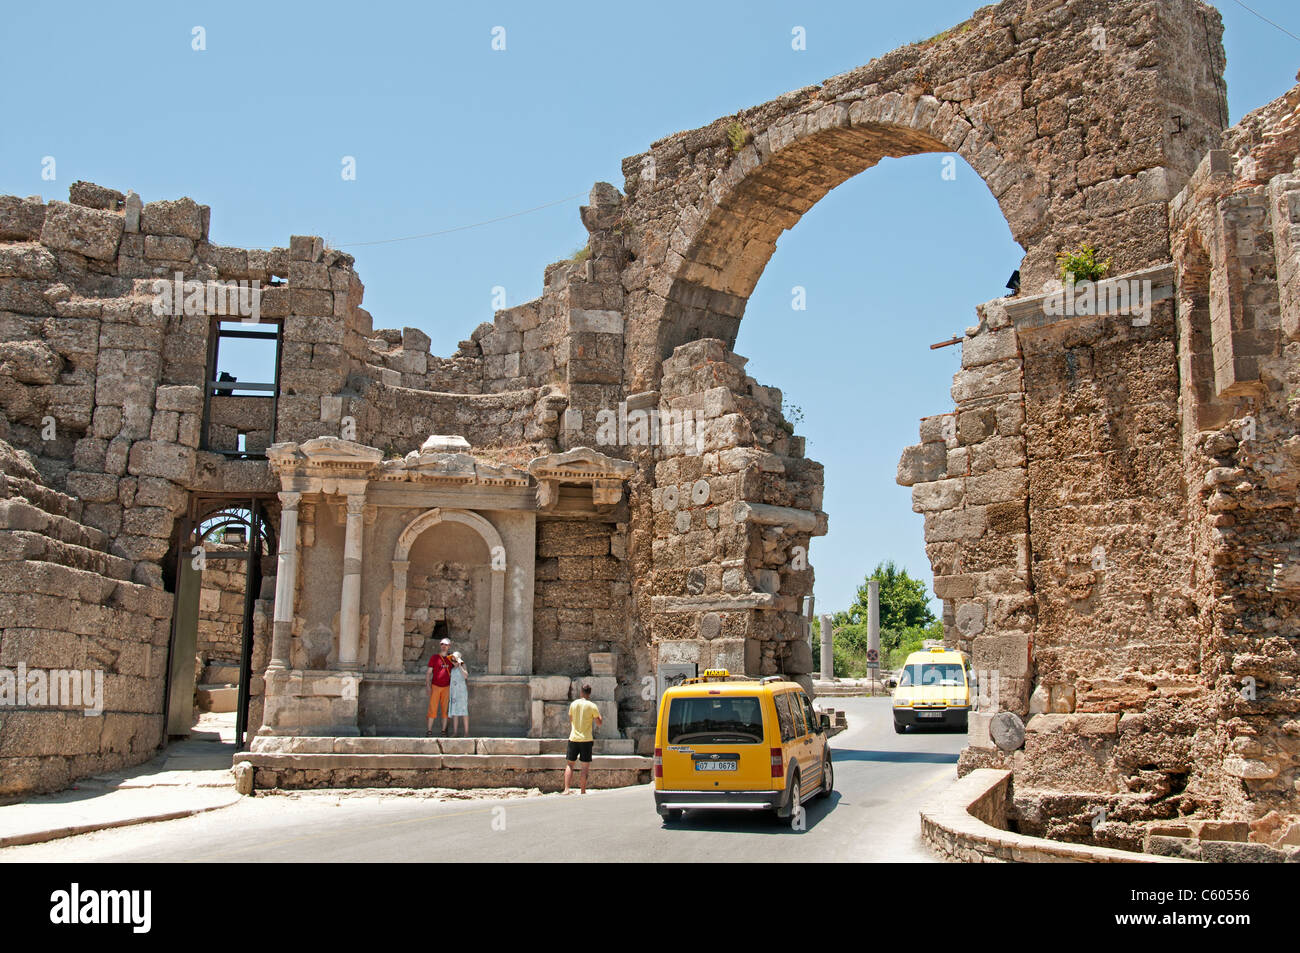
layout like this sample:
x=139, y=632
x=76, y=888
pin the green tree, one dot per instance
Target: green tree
x=903, y=602
x=905, y=621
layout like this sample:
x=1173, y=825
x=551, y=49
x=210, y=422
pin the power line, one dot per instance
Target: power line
x=1267, y=20
x=461, y=228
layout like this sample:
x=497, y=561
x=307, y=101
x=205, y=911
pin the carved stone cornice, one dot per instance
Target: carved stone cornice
x=585, y=467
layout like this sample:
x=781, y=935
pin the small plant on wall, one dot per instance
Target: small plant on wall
x=1083, y=265
x=738, y=136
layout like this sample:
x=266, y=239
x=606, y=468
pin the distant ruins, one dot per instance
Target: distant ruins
x=1110, y=507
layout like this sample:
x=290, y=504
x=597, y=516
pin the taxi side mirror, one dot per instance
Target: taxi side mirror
x=825, y=720
x=891, y=683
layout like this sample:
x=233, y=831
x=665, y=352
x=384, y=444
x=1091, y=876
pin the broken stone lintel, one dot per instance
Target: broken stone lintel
x=1031, y=313
x=787, y=517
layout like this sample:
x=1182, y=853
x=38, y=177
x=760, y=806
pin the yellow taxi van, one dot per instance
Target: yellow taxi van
x=739, y=744
x=933, y=689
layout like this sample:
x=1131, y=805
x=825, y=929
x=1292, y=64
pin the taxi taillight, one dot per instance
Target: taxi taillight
x=659, y=762
x=778, y=766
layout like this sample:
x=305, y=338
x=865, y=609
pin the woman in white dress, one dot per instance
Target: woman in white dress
x=458, y=702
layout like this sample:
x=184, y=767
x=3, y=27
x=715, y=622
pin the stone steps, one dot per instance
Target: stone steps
x=52, y=501
x=523, y=747
x=16, y=514
x=284, y=770
x=80, y=601
x=25, y=545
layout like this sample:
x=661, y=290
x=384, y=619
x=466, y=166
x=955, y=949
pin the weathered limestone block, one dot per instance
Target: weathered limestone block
x=95, y=196
x=88, y=232
x=28, y=260
x=30, y=362
x=183, y=399
x=21, y=220
x=990, y=380
x=603, y=687
x=939, y=495
x=168, y=247
x=182, y=217
x=989, y=347
x=167, y=460
x=997, y=486
x=923, y=463
x=549, y=687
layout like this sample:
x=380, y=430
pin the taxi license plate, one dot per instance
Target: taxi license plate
x=715, y=766
x=929, y=714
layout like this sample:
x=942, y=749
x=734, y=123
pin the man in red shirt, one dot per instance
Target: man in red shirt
x=438, y=683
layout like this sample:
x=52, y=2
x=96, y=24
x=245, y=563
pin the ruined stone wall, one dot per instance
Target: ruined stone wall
x=398, y=420
x=970, y=479
x=67, y=603
x=1242, y=462
x=734, y=505
x=1165, y=532
x=441, y=592
x=1116, y=629
x=1110, y=509
x=221, y=610
x=580, y=603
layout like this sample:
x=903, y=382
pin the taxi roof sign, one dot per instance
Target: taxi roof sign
x=716, y=673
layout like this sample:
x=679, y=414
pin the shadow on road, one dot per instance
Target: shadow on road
x=908, y=757
x=754, y=822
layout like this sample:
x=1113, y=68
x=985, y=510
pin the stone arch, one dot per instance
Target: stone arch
x=1005, y=90
x=792, y=165
x=392, y=658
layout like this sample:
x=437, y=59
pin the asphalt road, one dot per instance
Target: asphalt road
x=880, y=778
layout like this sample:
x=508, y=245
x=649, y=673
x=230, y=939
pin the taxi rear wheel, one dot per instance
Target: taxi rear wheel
x=899, y=728
x=672, y=815
x=828, y=776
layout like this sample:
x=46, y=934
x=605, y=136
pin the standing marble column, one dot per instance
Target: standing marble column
x=350, y=604
x=286, y=582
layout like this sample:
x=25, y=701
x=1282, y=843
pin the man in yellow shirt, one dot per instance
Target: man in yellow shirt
x=582, y=713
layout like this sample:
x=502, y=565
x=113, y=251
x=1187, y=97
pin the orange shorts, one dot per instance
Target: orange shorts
x=439, y=698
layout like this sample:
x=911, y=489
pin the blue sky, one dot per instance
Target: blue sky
x=445, y=131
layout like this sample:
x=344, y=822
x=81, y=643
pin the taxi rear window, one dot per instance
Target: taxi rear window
x=731, y=719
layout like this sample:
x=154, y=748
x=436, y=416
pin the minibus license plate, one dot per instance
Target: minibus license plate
x=929, y=714
x=715, y=766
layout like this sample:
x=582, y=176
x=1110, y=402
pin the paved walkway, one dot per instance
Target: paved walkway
x=189, y=777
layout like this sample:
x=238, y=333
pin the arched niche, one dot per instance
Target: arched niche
x=392, y=660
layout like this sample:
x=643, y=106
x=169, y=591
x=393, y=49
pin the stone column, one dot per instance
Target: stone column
x=828, y=648
x=873, y=615
x=286, y=582
x=350, y=603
